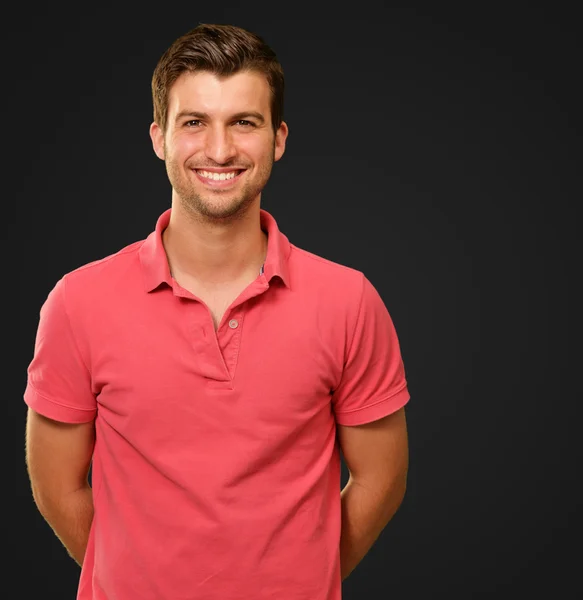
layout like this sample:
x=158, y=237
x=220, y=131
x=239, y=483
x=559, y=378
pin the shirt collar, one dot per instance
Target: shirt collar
x=154, y=261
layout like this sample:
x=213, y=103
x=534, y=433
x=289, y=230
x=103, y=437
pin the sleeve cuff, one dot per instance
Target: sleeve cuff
x=54, y=410
x=376, y=411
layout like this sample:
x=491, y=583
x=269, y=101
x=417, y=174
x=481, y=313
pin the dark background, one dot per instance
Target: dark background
x=439, y=153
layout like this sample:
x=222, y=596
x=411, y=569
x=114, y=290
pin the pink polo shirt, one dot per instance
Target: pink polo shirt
x=216, y=472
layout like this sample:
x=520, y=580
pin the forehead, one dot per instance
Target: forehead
x=209, y=93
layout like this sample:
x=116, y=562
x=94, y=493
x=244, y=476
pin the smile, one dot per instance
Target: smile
x=217, y=176
x=219, y=180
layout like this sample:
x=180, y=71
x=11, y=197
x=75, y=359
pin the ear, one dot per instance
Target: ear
x=157, y=136
x=280, y=138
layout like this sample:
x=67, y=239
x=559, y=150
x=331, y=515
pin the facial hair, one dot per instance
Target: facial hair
x=208, y=205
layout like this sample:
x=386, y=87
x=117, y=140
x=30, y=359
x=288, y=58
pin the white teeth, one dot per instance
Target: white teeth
x=217, y=176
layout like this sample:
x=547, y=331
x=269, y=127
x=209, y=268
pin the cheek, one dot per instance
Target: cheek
x=257, y=150
x=256, y=141
x=182, y=148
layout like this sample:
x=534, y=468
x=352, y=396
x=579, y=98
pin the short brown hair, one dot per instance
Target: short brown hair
x=223, y=50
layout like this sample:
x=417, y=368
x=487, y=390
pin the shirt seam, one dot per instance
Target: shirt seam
x=322, y=260
x=133, y=247
x=360, y=302
x=71, y=327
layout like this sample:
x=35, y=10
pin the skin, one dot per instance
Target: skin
x=214, y=235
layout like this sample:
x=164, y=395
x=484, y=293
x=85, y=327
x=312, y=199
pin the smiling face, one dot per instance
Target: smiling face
x=219, y=146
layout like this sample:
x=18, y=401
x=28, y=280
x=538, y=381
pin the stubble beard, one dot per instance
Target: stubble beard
x=213, y=205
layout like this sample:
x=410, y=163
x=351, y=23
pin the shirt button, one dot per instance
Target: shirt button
x=233, y=324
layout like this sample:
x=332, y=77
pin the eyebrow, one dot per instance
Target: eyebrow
x=235, y=117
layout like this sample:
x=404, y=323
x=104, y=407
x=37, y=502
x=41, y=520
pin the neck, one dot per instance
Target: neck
x=215, y=252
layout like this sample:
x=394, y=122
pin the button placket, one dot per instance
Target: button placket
x=229, y=342
x=228, y=339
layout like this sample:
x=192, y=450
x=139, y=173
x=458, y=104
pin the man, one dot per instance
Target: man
x=214, y=371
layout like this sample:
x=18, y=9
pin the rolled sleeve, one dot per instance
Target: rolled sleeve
x=58, y=380
x=373, y=383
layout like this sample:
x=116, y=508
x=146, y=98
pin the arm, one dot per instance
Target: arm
x=377, y=457
x=58, y=456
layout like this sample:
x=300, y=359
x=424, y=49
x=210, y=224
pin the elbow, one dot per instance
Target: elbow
x=38, y=498
x=401, y=494
x=396, y=495
x=43, y=501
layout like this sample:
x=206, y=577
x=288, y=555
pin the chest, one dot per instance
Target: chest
x=218, y=304
x=184, y=396
x=217, y=299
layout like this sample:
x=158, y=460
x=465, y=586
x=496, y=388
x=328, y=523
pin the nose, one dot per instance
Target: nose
x=219, y=145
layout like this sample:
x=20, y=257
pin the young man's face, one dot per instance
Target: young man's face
x=219, y=126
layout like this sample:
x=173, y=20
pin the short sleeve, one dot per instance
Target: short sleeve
x=373, y=383
x=58, y=381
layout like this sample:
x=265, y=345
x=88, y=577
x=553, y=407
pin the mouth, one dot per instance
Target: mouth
x=220, y=180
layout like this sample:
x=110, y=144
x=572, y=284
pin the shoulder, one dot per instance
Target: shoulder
x=94, y=284
x=104, y=272
x=338, y=284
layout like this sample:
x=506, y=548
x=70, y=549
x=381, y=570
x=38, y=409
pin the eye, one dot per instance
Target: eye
x=245, y=123
x=193, y=123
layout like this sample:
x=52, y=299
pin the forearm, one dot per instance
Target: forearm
x=365, y=513
x=70, y=518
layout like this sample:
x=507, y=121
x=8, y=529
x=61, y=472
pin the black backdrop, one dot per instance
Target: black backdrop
x=438, y=152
